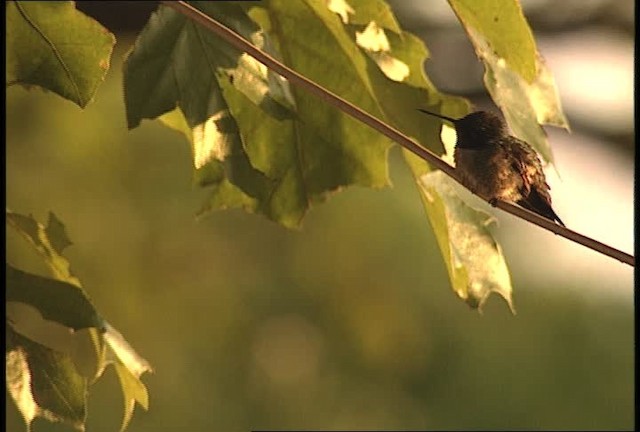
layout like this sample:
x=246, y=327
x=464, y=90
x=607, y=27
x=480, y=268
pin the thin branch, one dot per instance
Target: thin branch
x=295, y=78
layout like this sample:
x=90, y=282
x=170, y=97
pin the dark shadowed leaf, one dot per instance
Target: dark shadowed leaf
x=57, y=301
x=57, y=233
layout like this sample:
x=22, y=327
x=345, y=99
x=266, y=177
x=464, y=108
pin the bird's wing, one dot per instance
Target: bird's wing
x=526, y=163
x=535, y=190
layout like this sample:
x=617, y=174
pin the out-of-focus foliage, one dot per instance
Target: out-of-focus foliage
x=333, y=330
x=349, y=325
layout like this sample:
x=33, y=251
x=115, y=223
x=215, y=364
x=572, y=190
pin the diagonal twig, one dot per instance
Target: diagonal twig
x=295, y=78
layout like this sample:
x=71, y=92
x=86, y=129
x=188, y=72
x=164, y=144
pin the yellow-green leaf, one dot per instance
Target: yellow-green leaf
x=44, y=382
x=129, y=367
x=473, y=258
x=56, y=47
x=49, y=241
x=504, y=28
x=41, y=314
x=516, y=77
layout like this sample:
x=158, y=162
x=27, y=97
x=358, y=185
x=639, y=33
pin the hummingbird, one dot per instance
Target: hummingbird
x=498, y=166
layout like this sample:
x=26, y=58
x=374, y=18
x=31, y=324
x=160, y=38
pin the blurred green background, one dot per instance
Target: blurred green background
x=349, y=323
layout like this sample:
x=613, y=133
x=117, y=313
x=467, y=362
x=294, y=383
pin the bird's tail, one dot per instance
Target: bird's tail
x=539, y=205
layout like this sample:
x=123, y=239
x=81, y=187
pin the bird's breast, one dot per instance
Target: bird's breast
x=488, y=173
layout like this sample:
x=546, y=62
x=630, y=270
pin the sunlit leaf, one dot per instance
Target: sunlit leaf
x=224, y=195
x=44, y=382
x=56, y=47
x=49, y=241
x=129, y=367
x=328, y=148
x=319, y=149
x=378, y=11
x=525, y=105
x=399, y=101
x=342, y=8
x=459, y=228
x=515, y=75
x=474, y=260
x=502, y=24
x=124, y=352
x=375, y=43
x=133, y=391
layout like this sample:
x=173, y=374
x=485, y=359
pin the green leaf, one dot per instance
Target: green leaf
x=224, y=195
x=502, y=24
x=176, y=62
x=80, y=345
x=464, y=240
x=62, y=301
x=399, y=100
x=56, y=47
x=323, y=149
x=474, y=260
x=48, y=241
x=376, y=44
x=56, y=300
x=44, y=311
x=44, y=383
x=57, y=233
x=249, y=156
x=133, y=390
x=129, y=367
x=525, y=106
x=365, y=11
x=515, y=75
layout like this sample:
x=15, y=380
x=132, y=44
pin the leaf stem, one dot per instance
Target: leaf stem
x=243, y=45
